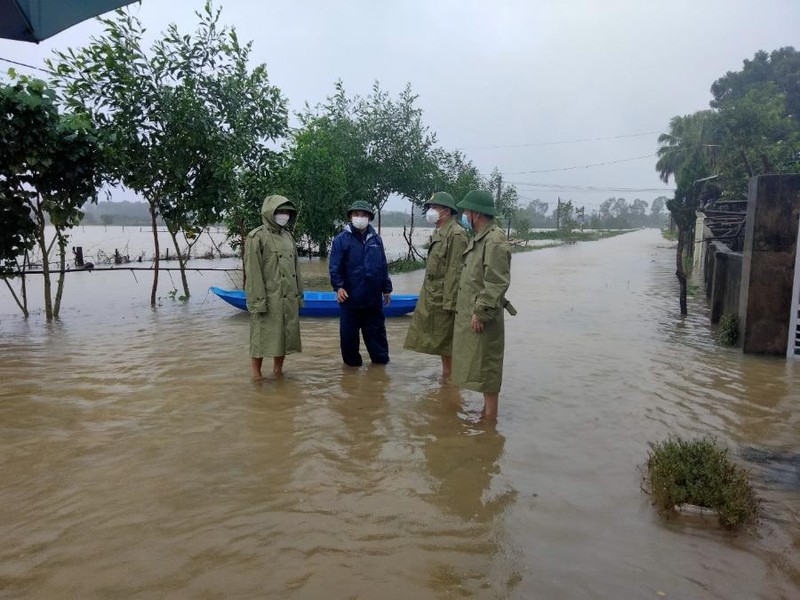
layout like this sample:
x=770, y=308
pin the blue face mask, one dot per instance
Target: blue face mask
x=465, y=222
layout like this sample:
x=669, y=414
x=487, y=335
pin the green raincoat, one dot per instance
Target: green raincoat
x=478, y=357
x=431, y=329
x=273, y=287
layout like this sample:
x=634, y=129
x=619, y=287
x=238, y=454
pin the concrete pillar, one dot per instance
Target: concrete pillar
x=773, y=209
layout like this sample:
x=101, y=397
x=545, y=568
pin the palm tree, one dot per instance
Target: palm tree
x=684, y=156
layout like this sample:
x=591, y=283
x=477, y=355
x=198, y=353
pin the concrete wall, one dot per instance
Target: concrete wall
x=773, y=210
x=723, y=273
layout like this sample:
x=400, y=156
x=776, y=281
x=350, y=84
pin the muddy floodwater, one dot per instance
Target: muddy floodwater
x=138, y=459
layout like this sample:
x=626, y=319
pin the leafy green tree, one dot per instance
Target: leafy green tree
x=187, y=124
x=565, y=215
x=456, y=174
x=397, y=148
x=49, y=168
x=317, y=177
x=756, y=135
x=323, y=167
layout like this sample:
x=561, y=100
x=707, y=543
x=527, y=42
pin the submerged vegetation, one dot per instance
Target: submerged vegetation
x=405, y=265
x=700, y=473
x=729, y=329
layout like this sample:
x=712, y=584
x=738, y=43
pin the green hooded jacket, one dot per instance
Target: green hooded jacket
x=273, y=288
x=478, y=357
x=431, y=329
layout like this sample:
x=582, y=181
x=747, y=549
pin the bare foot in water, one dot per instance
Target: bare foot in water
x=277, y=366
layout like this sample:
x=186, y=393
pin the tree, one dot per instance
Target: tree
x=317, y=176
x=323, y=168
x=187, y=125
x=397, y=148
x=565, y=215
x=49, y=168
x=456, y=174
x=683, y=156
x=522, y=224
x=657, y=211
x=537, y=212
x=638, y=212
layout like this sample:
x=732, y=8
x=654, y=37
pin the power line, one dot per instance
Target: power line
x=611, y=162
x=595, y=139
x=584, y=188
x=19, y=64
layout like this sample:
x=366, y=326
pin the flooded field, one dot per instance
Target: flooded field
x=138, y=459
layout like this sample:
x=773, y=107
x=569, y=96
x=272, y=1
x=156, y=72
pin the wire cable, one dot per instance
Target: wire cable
x=579, y=141
x=20, y=64
x=611, y=162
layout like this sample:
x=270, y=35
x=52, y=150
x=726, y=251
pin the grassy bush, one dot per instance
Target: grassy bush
x=699, y=472
x=729, y=329
x=403, y=265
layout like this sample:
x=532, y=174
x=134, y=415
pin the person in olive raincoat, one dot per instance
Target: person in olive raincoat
x=273, y=288
x=360, y=277
x=479, y=331
x=431, y=329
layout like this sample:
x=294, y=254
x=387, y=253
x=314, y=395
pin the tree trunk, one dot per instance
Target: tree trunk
x=62, y=261
x=746, y=162
x=181, y=261
x=157, y=259
x=410, y=237
x=23, y=304
x=242, y=238
x=680, y=272
x=48, y=296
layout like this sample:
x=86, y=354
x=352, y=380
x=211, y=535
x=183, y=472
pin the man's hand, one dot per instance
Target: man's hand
x=387, y=299
x=477, y=326
x=341, y=295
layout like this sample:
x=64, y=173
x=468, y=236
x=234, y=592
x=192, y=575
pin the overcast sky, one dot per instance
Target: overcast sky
x=503, y=80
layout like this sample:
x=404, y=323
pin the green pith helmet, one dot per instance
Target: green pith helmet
x=479, y=201
x=361, y=205
x=288, y=206
x=442, y=199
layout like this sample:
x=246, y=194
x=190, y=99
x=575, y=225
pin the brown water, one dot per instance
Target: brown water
x=137, y=459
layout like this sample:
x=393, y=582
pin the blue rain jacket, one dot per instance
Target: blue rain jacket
x=358, y=264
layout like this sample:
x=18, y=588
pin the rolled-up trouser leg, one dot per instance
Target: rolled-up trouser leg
x=373, y=326
x=348, y=335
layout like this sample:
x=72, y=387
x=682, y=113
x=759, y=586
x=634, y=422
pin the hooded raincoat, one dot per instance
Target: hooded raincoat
x=273, y=288
x=478, y=357
x=431, y=329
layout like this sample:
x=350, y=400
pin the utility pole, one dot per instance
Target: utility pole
x=558, y=213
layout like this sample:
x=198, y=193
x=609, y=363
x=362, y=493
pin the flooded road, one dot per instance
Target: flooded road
x=138, y=460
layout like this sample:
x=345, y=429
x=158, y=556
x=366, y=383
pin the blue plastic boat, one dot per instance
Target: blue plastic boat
x=324, y=304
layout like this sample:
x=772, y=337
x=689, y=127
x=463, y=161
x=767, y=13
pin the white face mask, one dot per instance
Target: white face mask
x=282, y=220
x=360, y=222
x=432, y=216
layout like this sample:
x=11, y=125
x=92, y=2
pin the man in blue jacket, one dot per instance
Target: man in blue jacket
x=360, y=278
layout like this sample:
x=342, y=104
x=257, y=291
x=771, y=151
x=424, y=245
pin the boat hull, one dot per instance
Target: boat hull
x=324, y=304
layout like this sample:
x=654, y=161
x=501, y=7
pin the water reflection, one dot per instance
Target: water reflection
x=462, y=457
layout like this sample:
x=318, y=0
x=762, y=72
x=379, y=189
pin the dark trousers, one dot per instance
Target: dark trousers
x=370, y=322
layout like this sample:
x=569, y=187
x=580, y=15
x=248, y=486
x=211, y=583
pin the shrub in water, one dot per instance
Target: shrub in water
x=729, y=329
x=699, y=472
